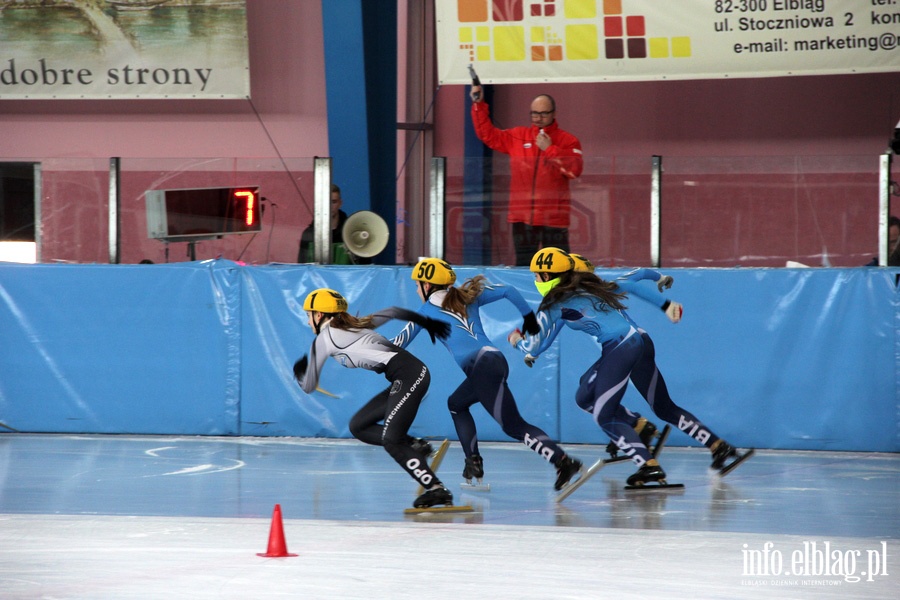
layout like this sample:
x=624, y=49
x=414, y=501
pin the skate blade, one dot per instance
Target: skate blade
x=735, y=463
x=439, y=510
x=660, y=436
x=655, y=487
x=661, y=441
x=476, y=487
x=584, y=475
x=435, y=462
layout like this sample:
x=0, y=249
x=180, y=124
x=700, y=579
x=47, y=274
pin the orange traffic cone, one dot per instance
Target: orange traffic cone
x=277, y=545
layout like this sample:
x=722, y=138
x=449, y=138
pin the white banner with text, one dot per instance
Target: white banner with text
x=124, y=49
x=531, y=41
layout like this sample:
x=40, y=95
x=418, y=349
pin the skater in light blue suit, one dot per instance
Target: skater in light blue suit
x=485, y=366
x=582, y=301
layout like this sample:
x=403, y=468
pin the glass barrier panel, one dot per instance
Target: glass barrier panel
x=715, y=211
x=74, y=210
x=286, y=208
x=817, y=211
x=609, y=222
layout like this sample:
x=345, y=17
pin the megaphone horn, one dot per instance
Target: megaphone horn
x=365, y=233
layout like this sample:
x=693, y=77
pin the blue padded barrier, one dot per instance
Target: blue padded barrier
x=120, y=349
x=772, y=358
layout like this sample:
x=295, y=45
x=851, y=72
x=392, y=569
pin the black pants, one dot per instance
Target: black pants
x=528, y=239
x=385, y=419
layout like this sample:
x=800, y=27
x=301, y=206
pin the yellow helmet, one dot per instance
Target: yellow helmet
x=551, y=260
x=581, y=263
x=326, y=301
x=434, y=270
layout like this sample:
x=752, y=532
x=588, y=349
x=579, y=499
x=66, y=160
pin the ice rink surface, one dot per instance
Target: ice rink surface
x=152, y=517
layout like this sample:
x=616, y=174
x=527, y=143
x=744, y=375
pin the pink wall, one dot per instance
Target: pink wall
x=815, y=211
x=287, y=84
x=838, y=115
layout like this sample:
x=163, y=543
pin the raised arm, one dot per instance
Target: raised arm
x=435, y=328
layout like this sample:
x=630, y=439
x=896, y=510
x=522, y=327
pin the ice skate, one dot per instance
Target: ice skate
x=726, y=457
x=434, y=496
x=567, y=490
x=650, y=473
x=566, y=468
x=438, y=499
x=647, y=431
x=422, y=447
x=613, y=451
x=474, y=469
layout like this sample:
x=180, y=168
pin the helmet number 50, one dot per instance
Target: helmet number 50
x=426, y=271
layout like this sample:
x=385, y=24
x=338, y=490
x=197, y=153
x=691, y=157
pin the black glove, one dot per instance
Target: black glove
x=530, y=324
x=300, y=368
x=436, y=328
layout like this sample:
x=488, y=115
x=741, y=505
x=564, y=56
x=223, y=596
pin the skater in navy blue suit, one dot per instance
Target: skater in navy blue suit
x=582, y=301
x=485, y=366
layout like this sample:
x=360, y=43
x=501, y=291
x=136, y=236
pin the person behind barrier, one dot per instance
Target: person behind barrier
x=339, y=253
x=543, y=160
x=385, y=419
x=485, y=367
x=584, y=302
x=893, y=243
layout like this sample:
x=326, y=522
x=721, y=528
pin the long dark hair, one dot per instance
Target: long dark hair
x=579, y=282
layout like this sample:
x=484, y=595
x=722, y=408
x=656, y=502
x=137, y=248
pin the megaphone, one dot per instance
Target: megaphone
x=365, y=233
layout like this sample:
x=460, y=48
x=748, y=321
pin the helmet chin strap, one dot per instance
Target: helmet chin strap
x=317, y=325
x=430, y=291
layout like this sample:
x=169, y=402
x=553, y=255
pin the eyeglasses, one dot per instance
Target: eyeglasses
x=541, y=114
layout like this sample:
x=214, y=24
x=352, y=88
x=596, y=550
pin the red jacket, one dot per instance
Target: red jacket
x=539, y=181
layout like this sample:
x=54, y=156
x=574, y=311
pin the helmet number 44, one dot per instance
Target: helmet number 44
x=544, y=260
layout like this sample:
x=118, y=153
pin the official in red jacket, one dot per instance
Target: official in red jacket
x=543, y=158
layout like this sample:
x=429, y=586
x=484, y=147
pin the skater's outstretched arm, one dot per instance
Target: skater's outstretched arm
x=436, y=329
x=406, y=335
x=630, y=283
x=494, y=292
x=549, y=326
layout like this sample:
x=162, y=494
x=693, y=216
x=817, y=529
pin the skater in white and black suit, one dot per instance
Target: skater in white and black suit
x=384, y=420
x=485, y=366
x=584, y=302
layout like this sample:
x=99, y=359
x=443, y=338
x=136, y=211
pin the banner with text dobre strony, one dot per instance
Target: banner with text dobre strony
x=123, y=49
x=530, y=41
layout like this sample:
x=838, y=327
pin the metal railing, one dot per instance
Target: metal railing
x=625, y=210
